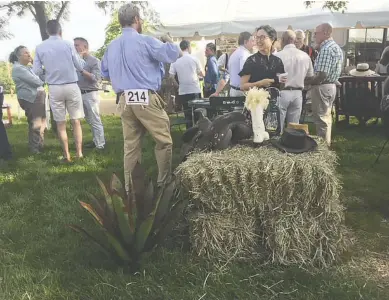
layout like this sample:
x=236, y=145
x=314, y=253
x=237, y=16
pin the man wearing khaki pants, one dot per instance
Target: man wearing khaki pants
x=133, y=64
x=328, y=67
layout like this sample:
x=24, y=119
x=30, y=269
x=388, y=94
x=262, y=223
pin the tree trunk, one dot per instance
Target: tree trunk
x=41, y=18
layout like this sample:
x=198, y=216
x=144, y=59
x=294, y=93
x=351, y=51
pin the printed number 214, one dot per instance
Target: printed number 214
x=135, y=97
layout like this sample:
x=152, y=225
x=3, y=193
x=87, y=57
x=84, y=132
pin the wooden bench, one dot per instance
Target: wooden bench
x=359, y=97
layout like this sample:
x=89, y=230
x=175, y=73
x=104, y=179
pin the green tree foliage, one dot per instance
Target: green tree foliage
x=3, y=32
x=5, y=78
x=113, y=29
x=331, y=5
x=42, y=11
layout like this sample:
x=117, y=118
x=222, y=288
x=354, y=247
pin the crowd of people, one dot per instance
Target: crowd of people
x=73, y=76
x=295, y=70
x=134, y=64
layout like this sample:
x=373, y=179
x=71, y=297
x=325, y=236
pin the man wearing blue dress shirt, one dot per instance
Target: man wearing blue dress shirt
x=134, y=64
x=60, y=61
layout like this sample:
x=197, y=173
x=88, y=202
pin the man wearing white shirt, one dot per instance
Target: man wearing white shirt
x=298, y=65
x=222, y=64
x=237, y=60
x=188, y=69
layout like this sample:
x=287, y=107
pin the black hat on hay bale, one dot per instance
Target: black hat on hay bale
x=221, y=133
x=223, y=130
x=295, y=141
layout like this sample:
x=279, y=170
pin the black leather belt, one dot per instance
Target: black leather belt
x=121, y=93
x=235, y=88
x=87, y=91
x=289, y=88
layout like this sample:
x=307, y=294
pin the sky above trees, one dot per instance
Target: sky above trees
x=91, y=25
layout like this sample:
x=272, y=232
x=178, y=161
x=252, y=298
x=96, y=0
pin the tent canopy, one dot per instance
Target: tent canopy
x=235, y=16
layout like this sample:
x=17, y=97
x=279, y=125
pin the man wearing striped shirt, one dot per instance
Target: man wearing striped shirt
x=328, y=67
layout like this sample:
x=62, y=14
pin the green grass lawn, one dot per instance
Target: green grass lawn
x=40, y=258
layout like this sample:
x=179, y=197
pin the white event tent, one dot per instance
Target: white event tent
x=209, y=19
x=205, y=20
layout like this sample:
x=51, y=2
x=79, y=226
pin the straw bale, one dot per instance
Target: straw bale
x=241, y=179
x=293, y=200
x=233, y=237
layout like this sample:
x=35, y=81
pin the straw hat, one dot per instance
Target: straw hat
x=362, y=70
x=299, y=126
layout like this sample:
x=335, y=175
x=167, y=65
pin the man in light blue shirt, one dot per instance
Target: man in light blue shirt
x=60, y=62
x=238, y=58
x=134, y=64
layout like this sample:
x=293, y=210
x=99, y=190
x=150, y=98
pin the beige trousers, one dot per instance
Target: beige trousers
x=323, y=97
x=136, y=120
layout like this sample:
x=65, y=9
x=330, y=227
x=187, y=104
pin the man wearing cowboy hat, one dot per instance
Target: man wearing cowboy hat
x=328, y=67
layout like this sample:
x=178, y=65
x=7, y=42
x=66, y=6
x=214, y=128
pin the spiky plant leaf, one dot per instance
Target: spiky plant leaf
x=131, y=207
x=143, y=232
x=112, y=240
x=108, y=221
x=165, y=203
x=93, y=213
x=117, y=186
x=135, y=195
x=94, y=239
x=138, y=188
x=121, y=252
x=147, y=201
x=126, y=229
x=107, y=197
x=166, y=227
x=96, y=204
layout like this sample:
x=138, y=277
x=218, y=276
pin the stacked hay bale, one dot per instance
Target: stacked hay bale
x=248, y=202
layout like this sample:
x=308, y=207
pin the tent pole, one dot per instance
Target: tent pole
x=365, y=45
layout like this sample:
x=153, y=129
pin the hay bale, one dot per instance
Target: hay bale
x=233, y=237
x=243, y=178
x=294, y=200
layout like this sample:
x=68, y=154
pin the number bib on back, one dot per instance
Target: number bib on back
x=136, y=97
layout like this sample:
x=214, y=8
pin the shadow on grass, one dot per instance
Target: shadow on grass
x=357, y=148
x=40, y=256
